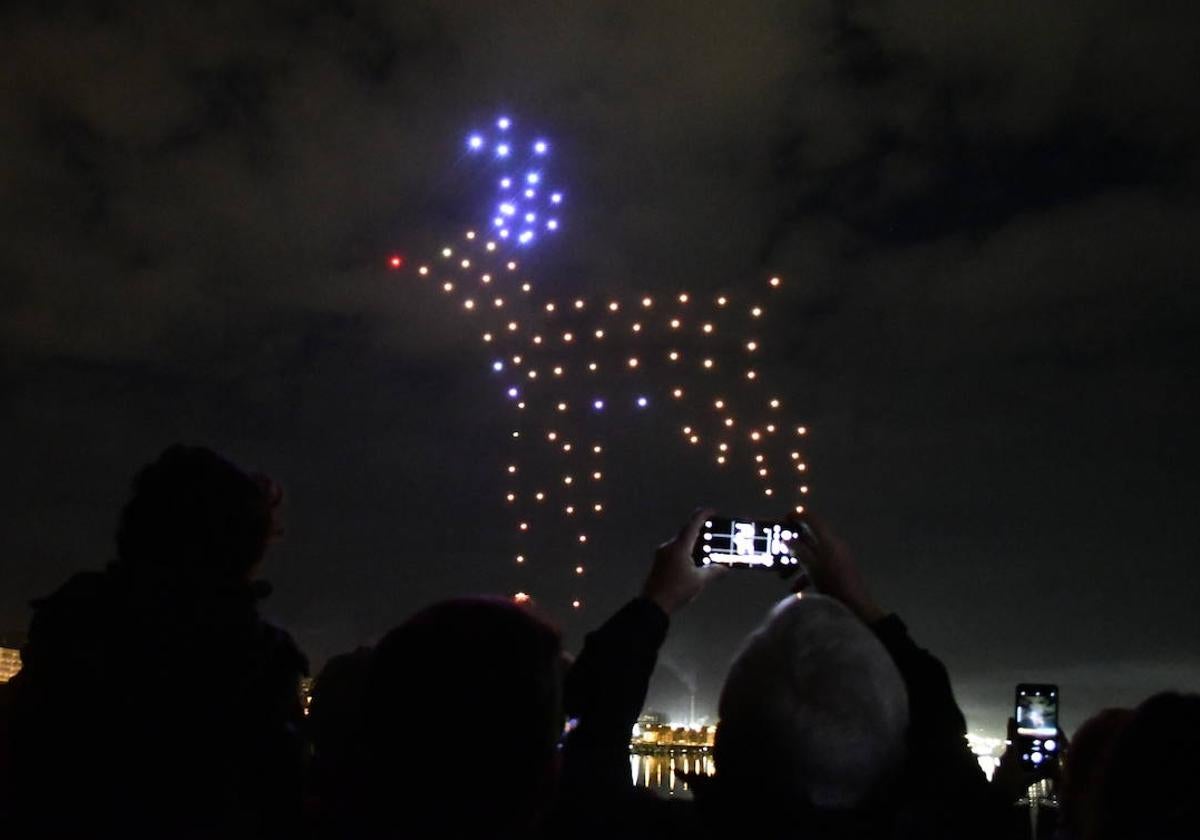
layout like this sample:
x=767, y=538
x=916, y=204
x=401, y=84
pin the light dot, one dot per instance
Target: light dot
x=540, y=496
x=675, y=323
x=801, y=430
x=583, y=538
x=751, y=346
x=707, y=328
x=687, y=430
x=579, y=304
x=567, y=479
x=502, y=150
x=642, y=402
x=758, y=458
x=598, y=405
x=512, y=392
x=795, y=456
x=673, y=355
x=756, y=311
x=466, y=263
x=549, y=307
x=763, y=471
x=694, y=439
x=552, y=436
x=591, y=366
x=569, y=509
x=537, y=339
x=613, y=306
x=708, y=363
x=579, y=570
x=447, y=286
x=568, y=337
x=751, y=374
x=516, y=434
x=647, y=302
x=498, y=302
x=512, y=497
x=677, y=393
x=721, y=301
x=724, y=447
x=720, y=459
x=516, y=360
x=556, y=198
x=562, y=406
x=511, y=266
x=540, y=147
x=503, y=123
x=774, y=403
x=775, y=281
x=512, y=326
x=576, y=604
x=524, y=526
x=505, y=183
x=799, y=508
x=521, y=405
x=637, y=327
x=558, y=371
x=801, y=467
x=633, y=362
x=423, y=270
x=599, y=334
x=597, y=448
x=491, y=246
x=487, y=278
x=719, y=404
x=566, y=447
x=768, y=492
x=446, y=252
x=396, y=262
x=755, y=435
x=728, y=422
x=683, y=298
x=520, y=558
x=598, y=508
x=525, y=287
x=512, y=468
x=771, y=428
x=533, y=374
x=804, y=488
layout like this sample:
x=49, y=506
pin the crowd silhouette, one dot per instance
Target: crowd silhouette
x=154, y=701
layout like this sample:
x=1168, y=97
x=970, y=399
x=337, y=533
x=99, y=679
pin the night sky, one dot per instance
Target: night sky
x=985, y=215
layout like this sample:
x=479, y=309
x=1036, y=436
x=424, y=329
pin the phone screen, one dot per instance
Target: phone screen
x=745, y=543
x=1037, y=710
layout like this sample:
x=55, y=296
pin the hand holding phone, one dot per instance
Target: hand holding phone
x=746, y=543
x=674, y=580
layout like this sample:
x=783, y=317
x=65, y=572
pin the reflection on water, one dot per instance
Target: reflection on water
x=660, y=772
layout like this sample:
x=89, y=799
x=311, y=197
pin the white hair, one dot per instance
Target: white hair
x=815, y=692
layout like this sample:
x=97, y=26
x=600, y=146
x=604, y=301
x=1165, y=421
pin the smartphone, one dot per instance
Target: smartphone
x=746, y=543
x=1036, y=714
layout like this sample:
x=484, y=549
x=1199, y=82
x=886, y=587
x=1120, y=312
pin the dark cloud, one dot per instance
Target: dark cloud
x=985, y=214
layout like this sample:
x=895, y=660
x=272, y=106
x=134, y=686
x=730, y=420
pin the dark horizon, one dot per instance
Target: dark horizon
x=984, y=219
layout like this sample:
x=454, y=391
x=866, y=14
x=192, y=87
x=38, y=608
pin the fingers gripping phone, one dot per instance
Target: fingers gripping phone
x=1036, y=715
x=747, y=543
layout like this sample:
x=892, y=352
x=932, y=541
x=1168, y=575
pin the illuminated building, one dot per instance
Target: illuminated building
x=10, y=663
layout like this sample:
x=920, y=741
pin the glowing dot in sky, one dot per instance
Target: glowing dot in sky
x=525, y=287
x=579, y=570
x=756, y=311
x=801, y=467
x=530, y=193
x=599, y=333
x=803, y=488
x=540, y=147
x=552, y=436
x=801, y=430
x=552, y=224
x=677, y=393
x=505, y=183
x=396, y=261
x=720, y=459
x=799, y=508
x=502, y=150
x=423, y=270
x=533, y=374
x=598, y=405
x=512, y=497
x=520, y=558
x=497, y=365
x=694, y=439
x=491, y=246
x=567, y=479
x=512, y=468
x=516, y=360
x=591, y=366
x=530, y=217
x=447, y=286
x=775, y=281
x=532, y=178
x=550, y=307
x=540, y=496
x=596, y=476
x=721, y=301
x=673, y=355
x=576, y=604
x=498, y=302
x=562, y=406
x=708, y=363
x=674, y=323
x=487, y=336
x=512, y=326
x=568, y=337
x=476, y=142
x=511, y=266
x=768, y=492
x=470, y=234
x=521, y=598
x=537, y=339
x=683, y=298
x=613, y=306
x=771, y=428
x=795, y=455
x=751, y=346
x=558, y=371
x=468, y=304
x=724, y=447
x=647, y=302
x=751, y=374
x=774, y=403
x=719, y=404
x=578, y=304
x=707, y=328
x=569, y=509
x=556, y=198
x=642, y=402
x=446, y=252
x=637, y=327
x=512, y=392
x=633, y=362
x=729, y=422
x=583, y=538
x=508, y=209
x=687, y=430
x=503, y=123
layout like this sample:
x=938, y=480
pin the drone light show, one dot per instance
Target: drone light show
x=571, y=370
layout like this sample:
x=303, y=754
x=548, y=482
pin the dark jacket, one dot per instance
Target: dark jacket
x=942, y=793
x=150, y=706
